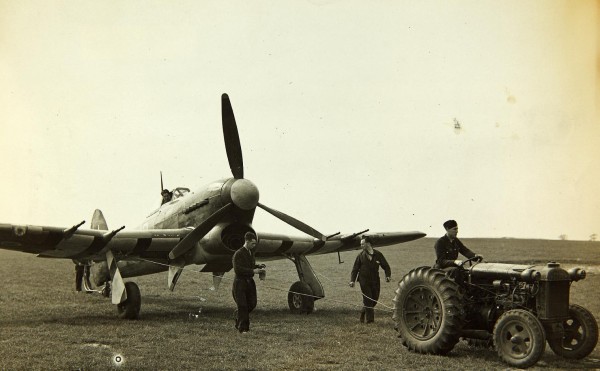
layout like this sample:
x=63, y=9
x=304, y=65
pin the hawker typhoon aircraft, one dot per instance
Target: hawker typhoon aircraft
x=204, y=227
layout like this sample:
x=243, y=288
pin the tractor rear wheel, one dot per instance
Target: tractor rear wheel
x=130, y=308
x=519, y=338
x=300, y=298
x=580, y=334
x=428, y=311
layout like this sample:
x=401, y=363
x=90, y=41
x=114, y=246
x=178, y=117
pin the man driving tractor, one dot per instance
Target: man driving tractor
x=449, y=246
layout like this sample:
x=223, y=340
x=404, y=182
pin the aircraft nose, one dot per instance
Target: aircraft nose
x=244, y=194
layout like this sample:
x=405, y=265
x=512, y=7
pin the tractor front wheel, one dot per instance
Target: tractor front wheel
x=519, y=338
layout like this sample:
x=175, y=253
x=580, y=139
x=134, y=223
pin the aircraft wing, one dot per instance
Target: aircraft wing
x=92, y=244
x=271, y=245
x=88, y=244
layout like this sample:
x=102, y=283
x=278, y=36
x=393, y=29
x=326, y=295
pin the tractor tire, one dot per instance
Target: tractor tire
x=130, y=308
x=519, y=338
x=428, y=311
x=300, y=298
x=580, y=336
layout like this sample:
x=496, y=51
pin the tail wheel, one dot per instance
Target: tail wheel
x=519, y=338
x=428, y=311
x=300, y=298
x=580, y=334
x=130, y=308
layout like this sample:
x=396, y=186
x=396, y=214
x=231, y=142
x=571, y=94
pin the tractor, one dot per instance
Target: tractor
x=515, y=308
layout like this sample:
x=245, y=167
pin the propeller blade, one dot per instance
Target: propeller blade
x=232, y=139
x=196, y=235
x=161, y=182
x=294, y=222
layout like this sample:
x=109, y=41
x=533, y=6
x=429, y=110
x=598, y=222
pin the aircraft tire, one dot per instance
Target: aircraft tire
x=300, y=298
x=580, y=336
x=130, y=308
x=428, y=311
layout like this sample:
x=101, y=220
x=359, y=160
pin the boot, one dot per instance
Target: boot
x=362, y=315
x=370, y=315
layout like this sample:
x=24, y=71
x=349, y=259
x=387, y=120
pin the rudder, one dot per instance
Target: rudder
x=98, y=221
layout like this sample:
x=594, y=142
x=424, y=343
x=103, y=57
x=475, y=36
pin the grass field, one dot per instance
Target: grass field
x=45, y=324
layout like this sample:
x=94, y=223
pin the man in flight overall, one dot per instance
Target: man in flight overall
x=244, y=287
x=366, y=268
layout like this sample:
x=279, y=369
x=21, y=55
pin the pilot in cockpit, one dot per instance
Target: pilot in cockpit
x=166, y=196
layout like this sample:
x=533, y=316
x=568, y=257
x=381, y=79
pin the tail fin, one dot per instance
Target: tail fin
x=98, y=221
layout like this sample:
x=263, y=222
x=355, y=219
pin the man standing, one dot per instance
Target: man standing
x=449, y=246
x=366, y=268
x=244, y=287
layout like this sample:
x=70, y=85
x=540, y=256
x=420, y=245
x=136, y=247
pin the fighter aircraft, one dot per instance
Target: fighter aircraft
x=203, y=227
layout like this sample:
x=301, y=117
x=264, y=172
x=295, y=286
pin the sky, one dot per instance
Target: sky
x=387, y=115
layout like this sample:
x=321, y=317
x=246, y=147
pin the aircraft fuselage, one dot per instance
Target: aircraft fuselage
x=192, y=208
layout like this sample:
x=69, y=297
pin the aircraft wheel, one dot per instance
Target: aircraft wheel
x=519, y=338
x=580, y=336
x=300, y=299
x=428, y=311
x=130, y=308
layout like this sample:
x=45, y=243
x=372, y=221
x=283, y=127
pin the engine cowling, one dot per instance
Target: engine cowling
x=224, y=239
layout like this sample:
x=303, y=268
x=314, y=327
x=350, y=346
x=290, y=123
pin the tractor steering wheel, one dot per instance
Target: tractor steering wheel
x=470, y=261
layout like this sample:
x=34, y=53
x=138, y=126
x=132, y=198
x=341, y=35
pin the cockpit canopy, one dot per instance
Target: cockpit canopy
x=179, y=192
x=168, y=196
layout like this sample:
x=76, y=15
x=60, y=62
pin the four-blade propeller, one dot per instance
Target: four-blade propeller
x=236, y=163
x=246, y=193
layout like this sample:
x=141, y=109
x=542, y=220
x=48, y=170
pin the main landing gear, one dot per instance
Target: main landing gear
x=126, y=309
x=130, y=308
x=303, y=293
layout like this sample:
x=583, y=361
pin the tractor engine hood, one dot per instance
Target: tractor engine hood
x=527, y=273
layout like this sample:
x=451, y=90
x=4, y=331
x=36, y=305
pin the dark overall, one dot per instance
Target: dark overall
x=244, y=287
x=446, y=252
x=367, y=271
